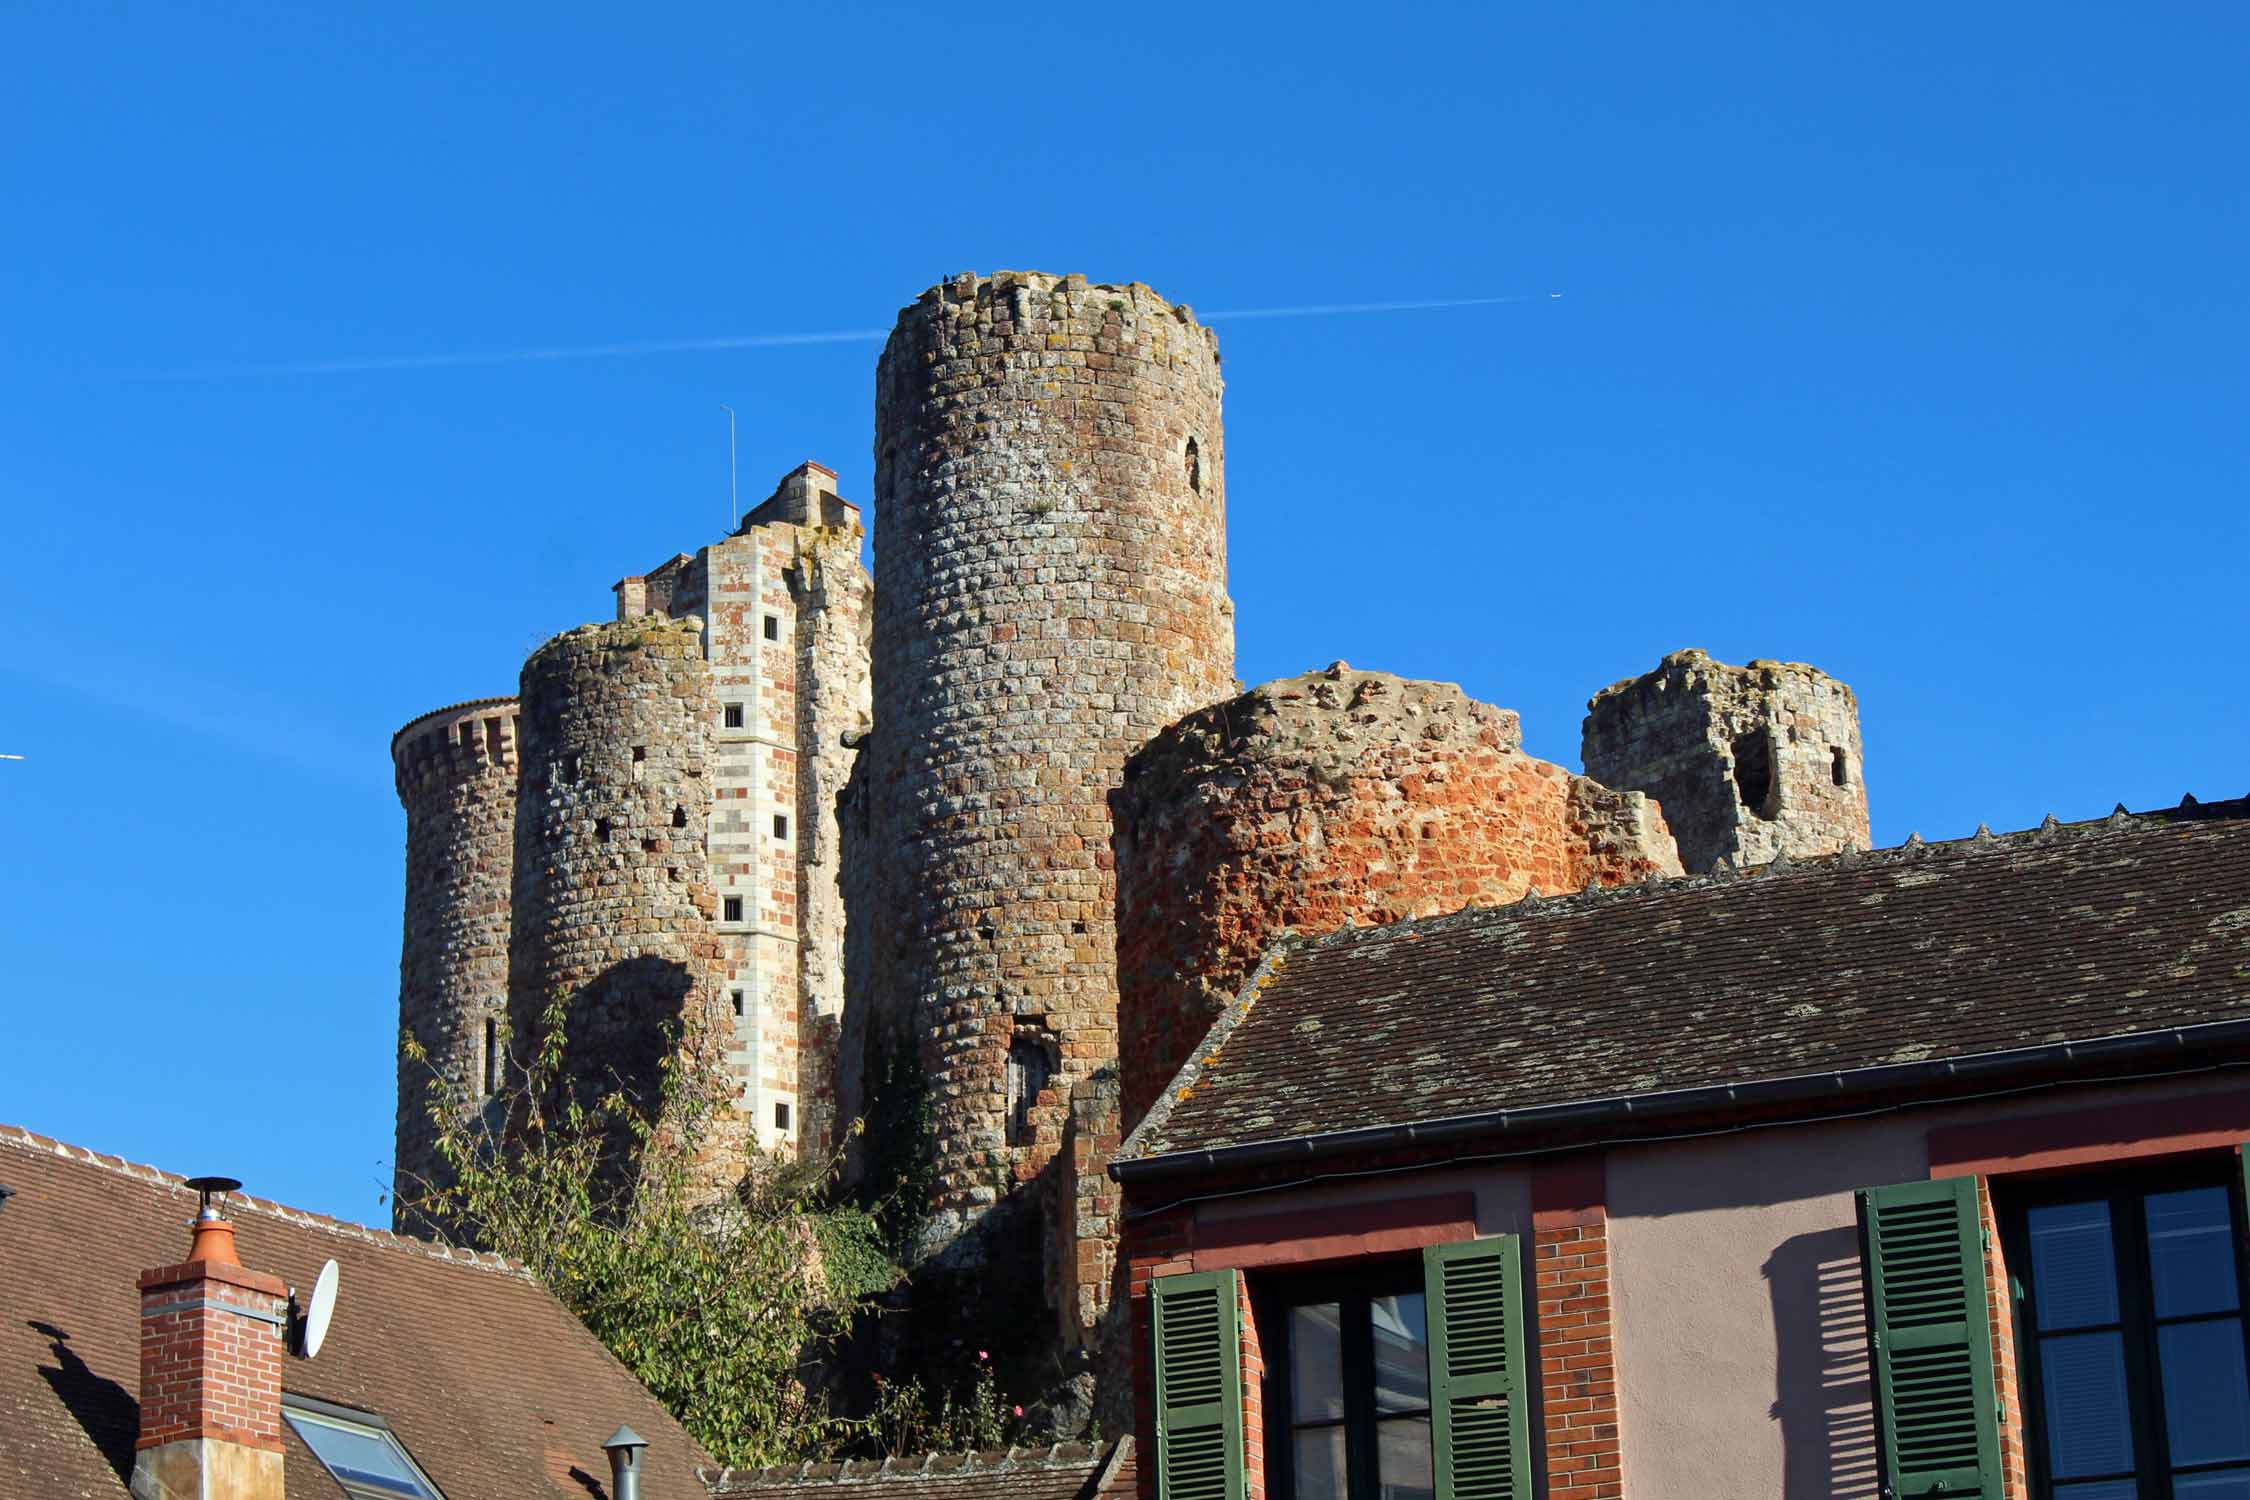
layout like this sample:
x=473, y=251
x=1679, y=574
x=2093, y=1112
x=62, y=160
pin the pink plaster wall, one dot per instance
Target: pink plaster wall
x=1735, y=1275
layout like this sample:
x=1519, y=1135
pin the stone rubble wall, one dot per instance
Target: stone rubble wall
x=614, y=908
x=1050, y=591
x=455, y=770
x=1748, y=762
x=1335, y=798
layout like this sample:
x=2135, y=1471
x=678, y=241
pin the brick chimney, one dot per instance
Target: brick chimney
x=211, y=1346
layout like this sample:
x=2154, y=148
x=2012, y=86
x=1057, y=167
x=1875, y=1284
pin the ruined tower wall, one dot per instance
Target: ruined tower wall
x=455, y=770
x=1335, y=798
x=1748, y=762
x=614, y=910
x=1051, y=590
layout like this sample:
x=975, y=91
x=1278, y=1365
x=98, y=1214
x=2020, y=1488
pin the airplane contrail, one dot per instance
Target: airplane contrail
x=1334, y=309
x=521, y=356
x=360, y=365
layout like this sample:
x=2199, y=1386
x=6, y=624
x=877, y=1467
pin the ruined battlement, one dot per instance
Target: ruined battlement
x=460, y=739
x=1332, y=799
x=1748, y=762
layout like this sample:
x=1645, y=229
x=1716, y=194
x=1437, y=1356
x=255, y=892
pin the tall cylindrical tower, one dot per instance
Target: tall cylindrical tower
x=1050, y=553
x=614, y=906
x=455, y=769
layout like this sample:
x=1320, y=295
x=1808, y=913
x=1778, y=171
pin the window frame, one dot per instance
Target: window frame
x=365, y=1424
x=2124, y=1184
x=1271, y=1298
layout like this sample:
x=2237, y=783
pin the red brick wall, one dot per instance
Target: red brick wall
x=207, y=1372
x=2015, y=1481
x=1576, y=1349
x=1253, y=1398
x=1334, y=798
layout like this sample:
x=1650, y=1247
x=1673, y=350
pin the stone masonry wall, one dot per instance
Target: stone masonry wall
x=835, y=615
x=1748, y=762
x=1051, y=591
x=614, y=910
x=785, y=607
x=1333, y=798
x=455, y=770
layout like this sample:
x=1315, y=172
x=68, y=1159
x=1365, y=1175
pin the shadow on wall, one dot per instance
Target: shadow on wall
x=1823, y=1399
x=618, y=1030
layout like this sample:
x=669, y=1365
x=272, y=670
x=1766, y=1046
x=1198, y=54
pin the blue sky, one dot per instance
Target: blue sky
x=1905, y=340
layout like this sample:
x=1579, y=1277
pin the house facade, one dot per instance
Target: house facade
x=1911, y=1173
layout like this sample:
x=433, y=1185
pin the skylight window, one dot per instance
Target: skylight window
x=360, y=1450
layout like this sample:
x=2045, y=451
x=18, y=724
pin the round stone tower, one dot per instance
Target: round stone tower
x=1327, y=800
x=1050, y=566
x=455, y=769
x=615, y=915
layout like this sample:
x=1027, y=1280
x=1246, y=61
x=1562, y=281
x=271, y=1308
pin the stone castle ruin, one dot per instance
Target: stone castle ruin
x=1001, y=815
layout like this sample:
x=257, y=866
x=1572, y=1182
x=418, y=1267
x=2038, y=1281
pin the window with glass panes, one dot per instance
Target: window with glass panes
x=1348, y=1389
x=2129, y=1315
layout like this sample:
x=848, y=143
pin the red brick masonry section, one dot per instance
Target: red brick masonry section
x=2015, y=1482
x=208, y=1371
x=1576, y=1341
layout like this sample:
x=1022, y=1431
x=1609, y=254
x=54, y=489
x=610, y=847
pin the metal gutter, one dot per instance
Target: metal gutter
x=2165, y=1046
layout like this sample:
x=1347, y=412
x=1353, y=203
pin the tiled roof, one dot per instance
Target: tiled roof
x=497, y=1392
x=2064, y=933
x=1066, y=1471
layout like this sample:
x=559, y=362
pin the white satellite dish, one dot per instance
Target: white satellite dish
x=319, y=1311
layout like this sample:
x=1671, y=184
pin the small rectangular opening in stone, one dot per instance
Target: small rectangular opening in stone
x=1030, y=1066
x=734, y=716
x=781, y=1114
x=741, y=1005
x=773, y=627
x=491, y=1057
x=780, y=825
x=1839, y=769
x=731, y=908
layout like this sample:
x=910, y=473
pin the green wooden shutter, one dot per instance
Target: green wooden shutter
x=1198, y=1387
x=1930, y=1327
x=1480, y=1412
